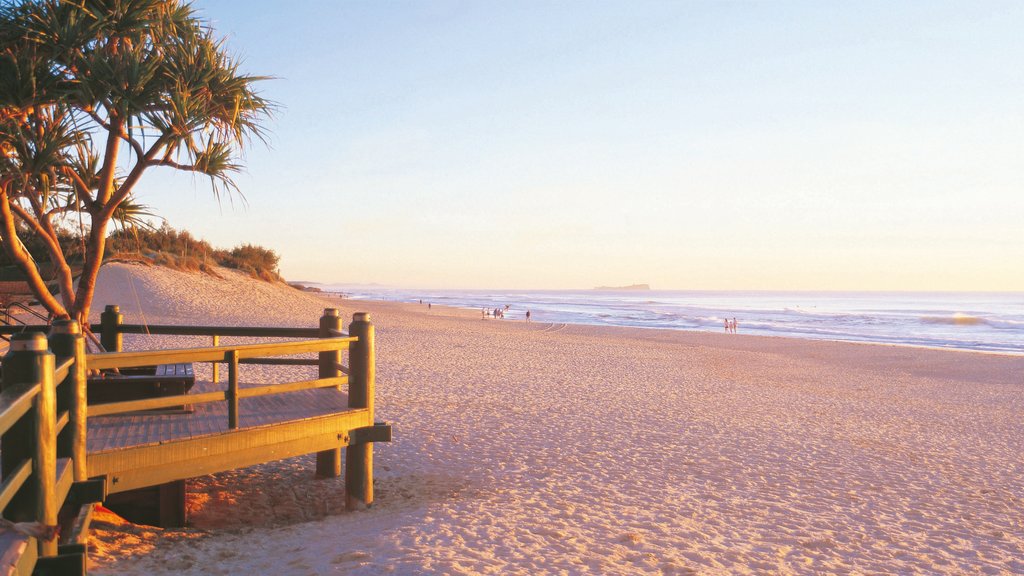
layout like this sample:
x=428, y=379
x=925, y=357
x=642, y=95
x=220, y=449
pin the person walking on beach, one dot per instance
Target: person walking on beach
x=734, y=325
x=727, y=326
x=527, y=315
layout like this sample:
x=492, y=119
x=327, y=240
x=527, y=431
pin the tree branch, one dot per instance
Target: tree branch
x=16, y=252
x=44, y=229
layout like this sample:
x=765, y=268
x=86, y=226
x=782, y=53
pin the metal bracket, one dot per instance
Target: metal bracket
x=379, y=432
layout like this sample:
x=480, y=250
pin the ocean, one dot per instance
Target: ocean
x=991, y=322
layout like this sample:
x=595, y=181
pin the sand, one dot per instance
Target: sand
x=558, y=449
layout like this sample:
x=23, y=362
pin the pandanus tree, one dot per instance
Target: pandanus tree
x=93, y=93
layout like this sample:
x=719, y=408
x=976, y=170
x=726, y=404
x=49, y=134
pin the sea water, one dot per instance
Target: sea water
x=991, y=322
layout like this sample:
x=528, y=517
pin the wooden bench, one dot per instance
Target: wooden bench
x=142, y=383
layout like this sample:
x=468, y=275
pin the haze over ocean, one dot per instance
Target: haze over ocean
x=992, y=322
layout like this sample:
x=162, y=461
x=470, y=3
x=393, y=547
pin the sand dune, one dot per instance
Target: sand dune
x=554, y=449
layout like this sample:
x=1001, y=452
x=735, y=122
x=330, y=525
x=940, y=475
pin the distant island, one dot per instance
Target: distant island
x=630, y=287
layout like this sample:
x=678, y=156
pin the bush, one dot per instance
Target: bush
x=179, y=250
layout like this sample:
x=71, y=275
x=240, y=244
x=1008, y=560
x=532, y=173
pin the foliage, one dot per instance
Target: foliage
x=180, y=250
x=92, y=94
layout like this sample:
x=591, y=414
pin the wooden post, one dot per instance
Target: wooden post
x=34, y=437
x=66, y=340
x=216, y=365
x=232, y=358
x=110, y=328
x=328, y=462
x=362, y=372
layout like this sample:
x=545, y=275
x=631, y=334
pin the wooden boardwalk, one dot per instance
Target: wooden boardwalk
x=107, y=433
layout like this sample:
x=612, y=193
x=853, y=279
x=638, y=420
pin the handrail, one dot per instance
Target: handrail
x=212, y=354
x=44, y=410
x=8, y=329
x=154, y=403
x=15, y=402
x=62, y=369
x=252, y=331
x=113, y=408
x=11, y=485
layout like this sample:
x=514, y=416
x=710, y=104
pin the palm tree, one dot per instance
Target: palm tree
x=92, y=94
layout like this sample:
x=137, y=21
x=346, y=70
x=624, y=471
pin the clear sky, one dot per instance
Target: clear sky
x=688, y=145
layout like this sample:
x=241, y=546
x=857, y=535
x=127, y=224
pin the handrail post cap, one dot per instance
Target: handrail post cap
x=66, y=326
x=330, y=311
x=361, y=317
x=29, y=341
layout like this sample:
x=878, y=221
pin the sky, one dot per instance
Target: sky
x=571, y=144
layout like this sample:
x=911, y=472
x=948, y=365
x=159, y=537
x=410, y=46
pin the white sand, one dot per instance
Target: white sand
x=540, y=449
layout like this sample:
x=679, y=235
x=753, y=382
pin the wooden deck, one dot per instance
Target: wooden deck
x=117, y=432
x=141, y=450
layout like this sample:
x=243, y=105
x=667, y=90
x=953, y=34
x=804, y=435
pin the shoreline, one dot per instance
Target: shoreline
x=470, y=311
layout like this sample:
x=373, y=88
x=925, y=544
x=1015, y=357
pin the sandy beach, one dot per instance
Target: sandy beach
x=561, y=449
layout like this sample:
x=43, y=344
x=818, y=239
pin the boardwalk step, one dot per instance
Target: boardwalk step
x=61, y=565
x=74, y=534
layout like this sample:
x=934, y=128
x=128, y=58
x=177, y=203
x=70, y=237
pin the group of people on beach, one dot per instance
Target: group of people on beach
x=499, y=312
x=496, y=313
x=730, y=325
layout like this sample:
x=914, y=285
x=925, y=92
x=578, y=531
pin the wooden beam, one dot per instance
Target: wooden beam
x=141, y=466
x=252, y=331
x=232, y=393
x=11, y=485
x=154, y=403
x=211, y=354
x=15, y=402
x=281, y=361
x=292, y=387
x=62, y=369
x=62, y=420
x=79, y=533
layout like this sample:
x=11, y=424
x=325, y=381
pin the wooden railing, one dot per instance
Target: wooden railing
x=44, y=410
x=36, y=421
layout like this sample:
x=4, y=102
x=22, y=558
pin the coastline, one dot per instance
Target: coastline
x=990, y=322
x=536, y=448
x=472, y=313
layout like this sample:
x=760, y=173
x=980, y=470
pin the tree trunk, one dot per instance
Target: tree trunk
x=91, y=270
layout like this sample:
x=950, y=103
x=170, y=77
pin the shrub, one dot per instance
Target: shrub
x=179, y=250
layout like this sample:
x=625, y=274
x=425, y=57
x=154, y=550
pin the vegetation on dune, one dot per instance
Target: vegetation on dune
x=180, y=250
x=93, y=94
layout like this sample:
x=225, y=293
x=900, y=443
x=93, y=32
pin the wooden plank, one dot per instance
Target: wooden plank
x=281, y=361
x=292, y=387
x=154, y=403
x=79, y=532
x=252, y=331
x=62, y=420
x=232, y=393
x=137, y=467
x=65, y=478
x=109, y=432
x=62, y=369
x=15, y=402
x=209, y=354
x=14, y=483
x=72, y=564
